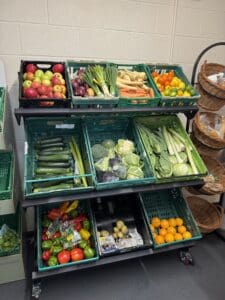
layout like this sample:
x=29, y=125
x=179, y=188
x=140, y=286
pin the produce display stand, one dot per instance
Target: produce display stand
x=33, y=276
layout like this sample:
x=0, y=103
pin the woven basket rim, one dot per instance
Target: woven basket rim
x=203, y=72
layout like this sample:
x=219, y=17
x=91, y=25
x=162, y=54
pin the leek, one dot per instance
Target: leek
x=111, y=76
x=88, y=78
x=98, y=74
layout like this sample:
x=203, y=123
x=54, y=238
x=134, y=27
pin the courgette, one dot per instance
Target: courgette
x=51, y=176
x=55, y=171
x=50, y=146
x=50, y=183
x=61, y=186
x=54, y=157
x=54, y=164
x=50, y=140
x=55, y=150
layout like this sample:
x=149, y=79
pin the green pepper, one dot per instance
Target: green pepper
x=57, y=241
x=89, y=252
x=46, y=222
x=56, y=249
x=86, y=224
x=46, y=245
x=73, y=213
x=83, y=244
x=53, y=261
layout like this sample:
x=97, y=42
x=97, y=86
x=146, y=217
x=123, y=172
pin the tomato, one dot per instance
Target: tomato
x=63, y=256
x=161, y=80
x=46, y=255
x=154, y=74
x=171, y=73
x=77, y=254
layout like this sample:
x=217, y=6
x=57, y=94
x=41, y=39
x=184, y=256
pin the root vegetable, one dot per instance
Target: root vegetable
x=119, y=224
x=120, y=235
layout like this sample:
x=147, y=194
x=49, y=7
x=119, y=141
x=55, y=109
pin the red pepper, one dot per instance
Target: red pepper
x=64, y=217
x=54, y=214
x=80, y=218
x=63, y=256
x=46, y=255
x=56, y=235
x=77, y=226
x=44, y=237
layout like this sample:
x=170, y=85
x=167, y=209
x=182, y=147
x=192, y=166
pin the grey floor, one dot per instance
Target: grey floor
x=156, y=278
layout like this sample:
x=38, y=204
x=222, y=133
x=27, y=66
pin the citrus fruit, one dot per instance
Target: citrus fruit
x=152, y=228
x=169, y=238
x=178, y=237
x=155, y=222
x=179, y=221
x=159, y=239
x=181, y=229
x=162, y=232
x=164, y=223
x=187, y=235
x=171, y=230
x=172, y=222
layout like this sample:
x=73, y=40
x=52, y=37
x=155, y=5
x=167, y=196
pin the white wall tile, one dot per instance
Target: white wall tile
x=34, y=11
x=217, y=5
x=164, y=19
x=213, y=24
x=188, y=21
x=50, y=40
x=166, y=2
x=10, y=39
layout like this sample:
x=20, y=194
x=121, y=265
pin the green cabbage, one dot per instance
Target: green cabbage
x=108, y=144
x=181, y=169
x=102, y=164
x=98, y=152
x=135, y=173
x=131, y=159
x=124, y=147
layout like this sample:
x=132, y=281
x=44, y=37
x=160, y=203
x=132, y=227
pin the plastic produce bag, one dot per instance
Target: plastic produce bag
x=9, y=241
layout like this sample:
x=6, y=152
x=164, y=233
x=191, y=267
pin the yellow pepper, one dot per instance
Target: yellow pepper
x=72, y=206
x=63, y=207
x=85, y=234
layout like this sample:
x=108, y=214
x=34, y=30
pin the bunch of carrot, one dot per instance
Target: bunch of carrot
x=137, y=92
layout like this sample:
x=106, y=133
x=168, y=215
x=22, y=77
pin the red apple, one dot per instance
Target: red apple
x=30, y=93
x=57, y=95
x=42, y=90
x=44, y=96
x=49, y=89
x=57, y=88
x=31, y=68
x=50, y=95
x=63, y=81
x=55, y=80
x=58, y=68
x=35, y=85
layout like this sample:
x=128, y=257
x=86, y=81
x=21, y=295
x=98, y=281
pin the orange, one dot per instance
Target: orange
x=155, y=222
x=162, y=232
x=152, y=228
x=187, y=235
x=179, y=221
x=159, y=240
x=164, y=223
x=172, y=222
x=169, y=238
x=181, y=229
x=171, y=230
x=178, y=237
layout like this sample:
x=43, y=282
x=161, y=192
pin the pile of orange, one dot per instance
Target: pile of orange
x=168, y=230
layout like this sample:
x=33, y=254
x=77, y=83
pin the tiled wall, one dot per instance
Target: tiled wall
x=173, y=31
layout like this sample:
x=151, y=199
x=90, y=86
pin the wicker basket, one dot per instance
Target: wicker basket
x=209, y=86
x=208, y=137
x=208, y=101
x=208, y=216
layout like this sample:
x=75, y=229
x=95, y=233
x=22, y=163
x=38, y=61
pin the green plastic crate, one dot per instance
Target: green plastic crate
x=154, y=122
x=169, y=204
x=36, y=128
x=6, y=174
x=139, y=102
x=13, y=221
x=2, y=100
x=99, y=129
x=84, y=206
x=88, y=102
x=173, y=101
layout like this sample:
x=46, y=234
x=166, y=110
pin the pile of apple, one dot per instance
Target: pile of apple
x=40, y=84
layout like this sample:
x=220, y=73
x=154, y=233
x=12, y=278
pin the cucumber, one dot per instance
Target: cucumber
x=54, y=151
x=61, y=186
x=54, y=164
x=50, y=176
x=54, y=171
x=50, y=146
x=54, y=157
x=50, y=140
x=50, y=183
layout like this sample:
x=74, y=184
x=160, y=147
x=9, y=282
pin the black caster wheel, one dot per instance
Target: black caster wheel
x=36, y=290
x=186, y=258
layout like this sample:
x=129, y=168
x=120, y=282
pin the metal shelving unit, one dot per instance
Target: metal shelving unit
x=33, y=275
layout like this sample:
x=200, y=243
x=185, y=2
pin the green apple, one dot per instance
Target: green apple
x=38, y=73
x=44, y=76
x=37, y=79
x=46, y=82
x=27, y=83
x=49, y=74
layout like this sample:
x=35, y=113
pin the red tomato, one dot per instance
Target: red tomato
x=63, y=257
x=77, y=254
x=154, y=74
